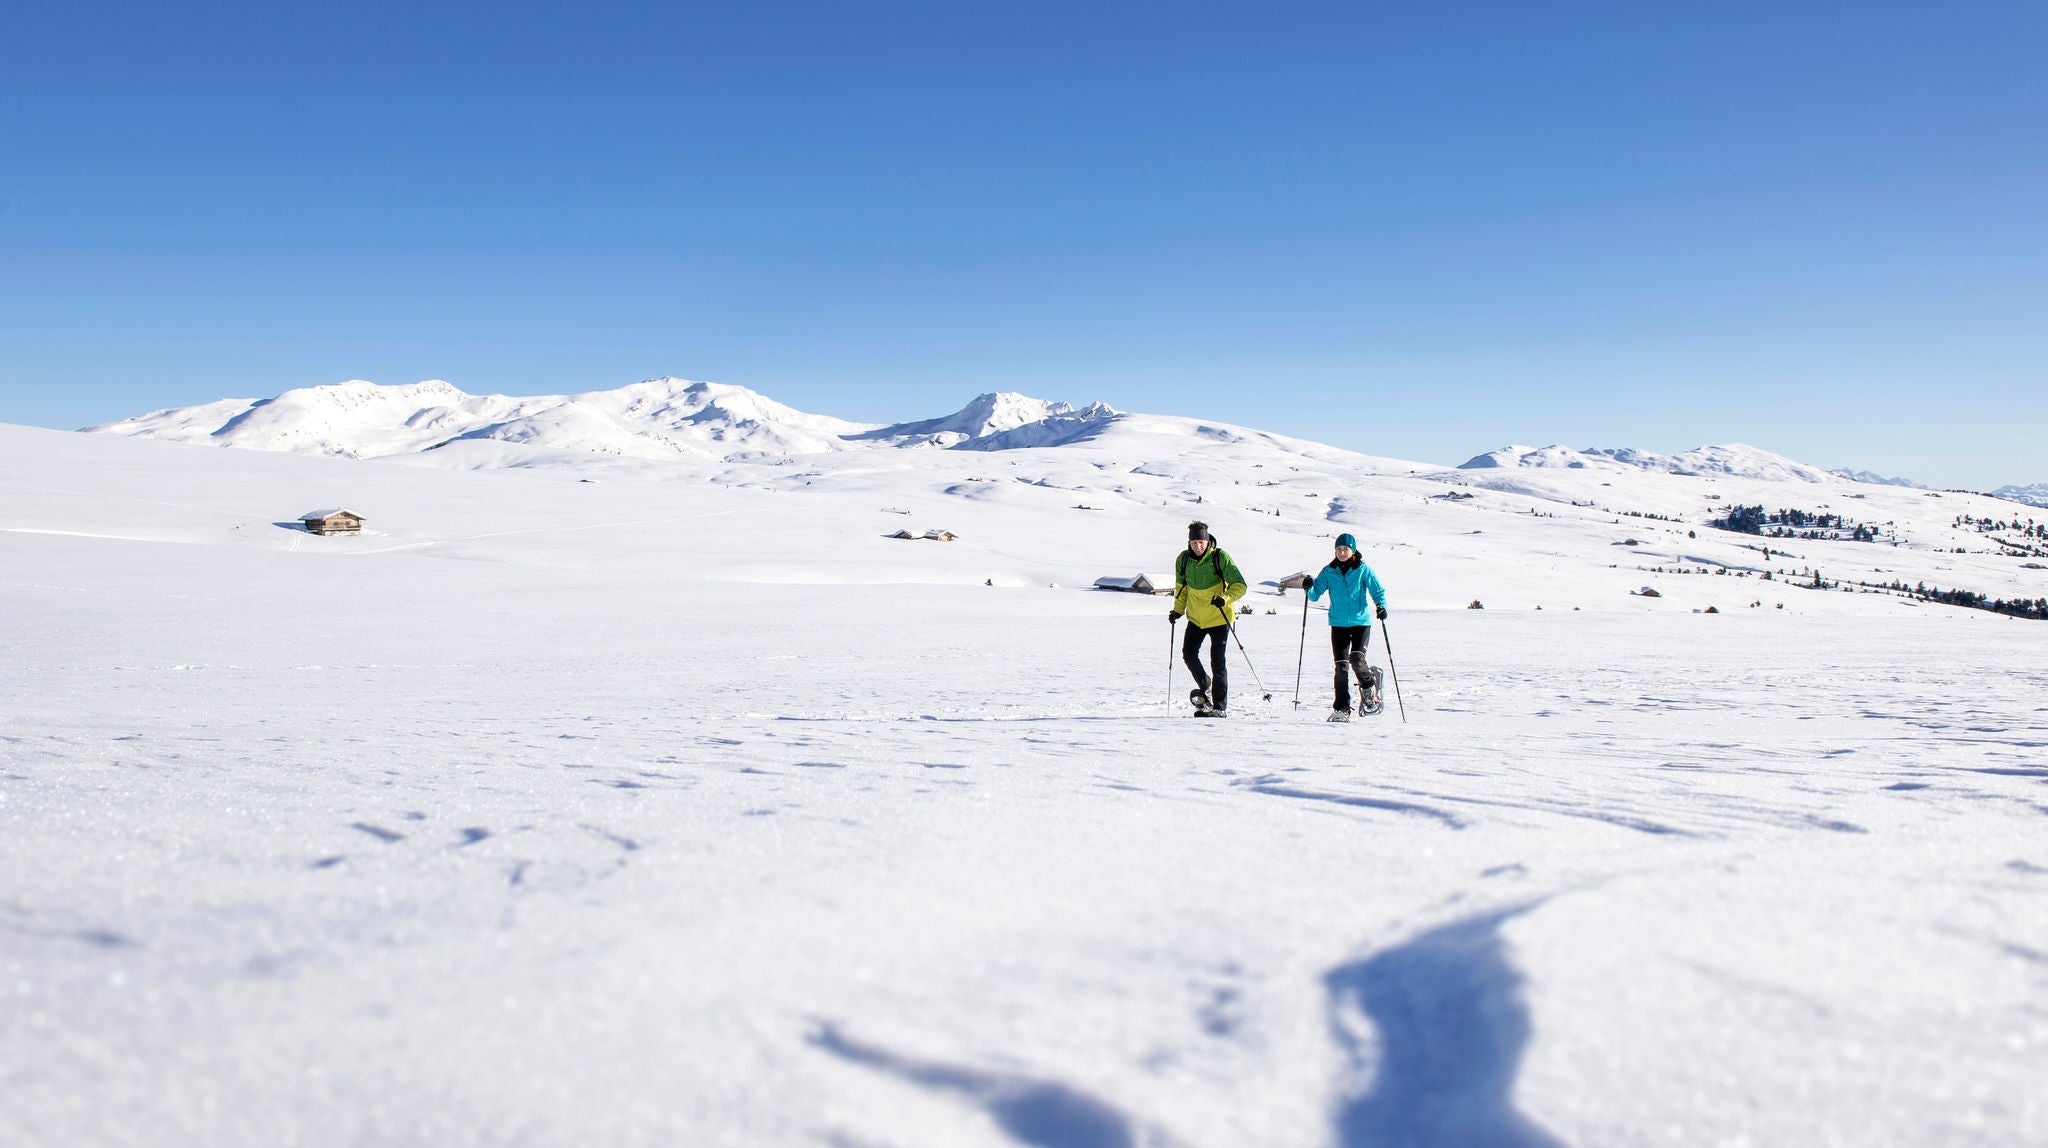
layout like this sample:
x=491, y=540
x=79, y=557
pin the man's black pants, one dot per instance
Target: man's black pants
x=1216, y=683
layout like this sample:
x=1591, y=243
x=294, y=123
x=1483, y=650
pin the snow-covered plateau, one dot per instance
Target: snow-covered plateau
x=607, y=793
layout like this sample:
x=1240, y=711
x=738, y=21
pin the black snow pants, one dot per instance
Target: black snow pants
x=1218, y=686
x=1347, y=646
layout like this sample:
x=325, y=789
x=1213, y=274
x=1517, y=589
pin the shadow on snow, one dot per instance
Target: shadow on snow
x=1035, y=1112
x=1451, y=1025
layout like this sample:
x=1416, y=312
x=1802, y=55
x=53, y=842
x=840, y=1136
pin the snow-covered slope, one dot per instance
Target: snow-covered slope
x=669, y=800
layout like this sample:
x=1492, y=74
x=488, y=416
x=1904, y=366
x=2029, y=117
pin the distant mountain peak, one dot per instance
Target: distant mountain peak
x=986, y=414
x=2032, y=495
x=1732, y=459
x=1063, y=427
x=1874, y=478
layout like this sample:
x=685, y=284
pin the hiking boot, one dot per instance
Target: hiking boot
x=1374, y=701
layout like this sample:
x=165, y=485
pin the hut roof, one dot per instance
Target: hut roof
x=316, y=515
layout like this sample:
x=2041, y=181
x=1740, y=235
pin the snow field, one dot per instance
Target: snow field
x=651, y=812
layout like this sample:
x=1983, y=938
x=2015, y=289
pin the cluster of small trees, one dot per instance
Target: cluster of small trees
x=2027, y=529
x=2036, y=608
x=1792, y=524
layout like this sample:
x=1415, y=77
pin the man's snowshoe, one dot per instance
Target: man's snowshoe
x=1375, y=699
x=1339, y=715
x=1199, y=698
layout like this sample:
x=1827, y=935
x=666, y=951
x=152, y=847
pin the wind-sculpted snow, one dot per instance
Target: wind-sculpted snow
x=685, y=806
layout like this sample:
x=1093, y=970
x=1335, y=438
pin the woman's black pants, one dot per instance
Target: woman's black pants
x=1347, y=645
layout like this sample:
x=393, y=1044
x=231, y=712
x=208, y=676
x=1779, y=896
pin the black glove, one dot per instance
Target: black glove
x=1172, y=616
x=1218, y=602
x=1381, y=611
x=1307, y=584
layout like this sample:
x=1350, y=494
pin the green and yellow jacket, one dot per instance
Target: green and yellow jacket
x=1196, y=580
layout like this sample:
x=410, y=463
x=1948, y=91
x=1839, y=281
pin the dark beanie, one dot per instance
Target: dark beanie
x=1198, y=530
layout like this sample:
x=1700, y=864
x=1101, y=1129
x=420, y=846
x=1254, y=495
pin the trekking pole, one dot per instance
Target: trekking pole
x=1263, y=695
x=1301, y=654
x=1389, y=644
x=1172, y=629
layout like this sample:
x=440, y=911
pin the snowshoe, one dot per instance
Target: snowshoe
x=1339, y=715
x=1375, y=699
x=1199, y=699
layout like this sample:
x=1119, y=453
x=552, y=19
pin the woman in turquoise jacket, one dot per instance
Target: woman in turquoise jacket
x=1350, y=582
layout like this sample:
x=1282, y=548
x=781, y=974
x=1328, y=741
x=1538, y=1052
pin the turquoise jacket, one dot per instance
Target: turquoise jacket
x=1348, y=590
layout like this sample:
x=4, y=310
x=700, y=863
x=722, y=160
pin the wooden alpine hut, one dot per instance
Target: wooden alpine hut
x=333, y=522
x=1137, y=585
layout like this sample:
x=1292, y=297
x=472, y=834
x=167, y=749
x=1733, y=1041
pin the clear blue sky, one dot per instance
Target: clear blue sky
x=1424, y=230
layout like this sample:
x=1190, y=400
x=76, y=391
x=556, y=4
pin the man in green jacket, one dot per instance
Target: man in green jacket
x=1206, y=587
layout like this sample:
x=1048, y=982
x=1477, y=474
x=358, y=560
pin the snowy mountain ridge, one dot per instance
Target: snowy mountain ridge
x=1733, y=459
x=1875, y=479
x=678, y=419
x=2035, y=494
x=653, y=419
x=656, y=418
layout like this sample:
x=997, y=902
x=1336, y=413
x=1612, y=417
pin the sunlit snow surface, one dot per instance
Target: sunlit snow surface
x=682, y=807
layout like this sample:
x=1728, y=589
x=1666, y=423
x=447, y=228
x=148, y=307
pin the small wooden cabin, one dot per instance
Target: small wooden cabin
x=1294, y=581
x=333, y=522
x=903, y=534
x=940, y=535
x=1137, y=585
